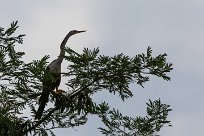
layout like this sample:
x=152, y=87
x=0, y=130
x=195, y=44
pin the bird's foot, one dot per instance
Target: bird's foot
x=59, y=91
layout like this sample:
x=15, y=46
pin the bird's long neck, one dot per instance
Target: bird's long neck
x=62, y=47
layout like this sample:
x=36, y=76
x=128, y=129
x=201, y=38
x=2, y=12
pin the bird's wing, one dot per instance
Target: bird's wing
x=51, y=80
x=49, y=84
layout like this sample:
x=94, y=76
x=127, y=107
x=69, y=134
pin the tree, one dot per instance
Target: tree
x=87, y=74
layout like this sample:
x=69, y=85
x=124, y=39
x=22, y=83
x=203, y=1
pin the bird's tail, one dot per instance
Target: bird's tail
x=43, y=100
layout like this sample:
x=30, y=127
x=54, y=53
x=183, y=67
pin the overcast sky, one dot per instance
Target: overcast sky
x=175, y=27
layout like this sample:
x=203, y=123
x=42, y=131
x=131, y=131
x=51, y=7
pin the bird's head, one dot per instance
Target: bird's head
x=75, y=32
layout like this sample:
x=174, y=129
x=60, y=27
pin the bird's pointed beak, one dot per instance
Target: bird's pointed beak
x=81, y=31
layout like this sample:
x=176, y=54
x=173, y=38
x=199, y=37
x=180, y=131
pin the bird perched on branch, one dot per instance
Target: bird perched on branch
x=52, y=75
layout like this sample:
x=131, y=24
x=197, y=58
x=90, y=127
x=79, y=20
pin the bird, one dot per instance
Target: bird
x=52, y=76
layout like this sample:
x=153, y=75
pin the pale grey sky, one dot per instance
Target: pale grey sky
x=175, y=27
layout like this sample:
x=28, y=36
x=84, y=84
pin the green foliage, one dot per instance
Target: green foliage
x=119, y=125
x=113, y=73
x=87, y=74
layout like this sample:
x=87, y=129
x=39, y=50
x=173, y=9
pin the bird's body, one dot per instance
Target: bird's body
x=52, y=76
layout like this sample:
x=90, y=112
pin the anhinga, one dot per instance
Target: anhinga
x=52, y=75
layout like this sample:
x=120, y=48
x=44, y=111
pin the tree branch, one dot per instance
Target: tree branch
x=40, y=121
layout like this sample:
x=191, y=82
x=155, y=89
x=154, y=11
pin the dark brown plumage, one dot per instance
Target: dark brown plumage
x=52, y=76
